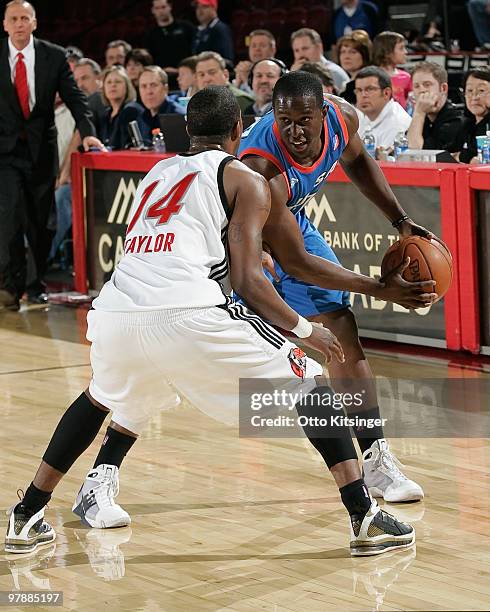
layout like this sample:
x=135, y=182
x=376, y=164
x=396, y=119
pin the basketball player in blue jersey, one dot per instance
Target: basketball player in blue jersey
x=295, y=147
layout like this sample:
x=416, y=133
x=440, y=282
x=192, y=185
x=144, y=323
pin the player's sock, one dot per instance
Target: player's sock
x=366, y=437
x=114, y=448
x=33, y=500
x=356, y=499
x=74, y=434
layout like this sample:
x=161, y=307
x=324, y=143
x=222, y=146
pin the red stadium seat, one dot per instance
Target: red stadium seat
x=238, y=18
x=319, y=18
x=258, y=18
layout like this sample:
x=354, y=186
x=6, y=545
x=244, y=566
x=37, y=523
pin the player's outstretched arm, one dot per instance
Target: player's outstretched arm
x=282, y=235
x=365, y=173
x=249, y=195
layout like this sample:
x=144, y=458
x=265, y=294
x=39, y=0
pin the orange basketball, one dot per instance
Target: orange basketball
x=429, y=260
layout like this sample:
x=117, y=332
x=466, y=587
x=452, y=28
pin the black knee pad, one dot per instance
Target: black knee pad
x=320, y=414
x=74, y=433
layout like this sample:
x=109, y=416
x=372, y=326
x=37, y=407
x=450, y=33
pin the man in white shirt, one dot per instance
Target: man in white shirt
x=307, y=46
x=376, y=108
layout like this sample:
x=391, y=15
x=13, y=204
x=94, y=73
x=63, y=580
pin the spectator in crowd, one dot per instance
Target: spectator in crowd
x=115, y=52
x=479, y=12
x=153, y=86
x=211, y=70
x=64, y=126
x=320, y=71
x=435, y=119
x=28, y=148
x=119, y=96
x=134, y=63
x=87, y=75
x=265, y=74
x=73, y=56
x=353, y=54
x=262, y=45
x=355, y=15
x=390, y=50
x=378, y=111
x=477, y=97
x=212, y=34
x=170, y=41
x=308, y=47
x=186, y=77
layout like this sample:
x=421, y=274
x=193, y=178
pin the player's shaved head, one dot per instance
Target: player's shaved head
x=298, y=85
x=212, y=112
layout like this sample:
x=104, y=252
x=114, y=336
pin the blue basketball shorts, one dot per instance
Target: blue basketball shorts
x=309, y=300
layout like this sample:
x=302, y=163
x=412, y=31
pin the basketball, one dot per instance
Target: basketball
x=429, y=260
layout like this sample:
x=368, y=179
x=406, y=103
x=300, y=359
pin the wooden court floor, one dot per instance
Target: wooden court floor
x=223, y=523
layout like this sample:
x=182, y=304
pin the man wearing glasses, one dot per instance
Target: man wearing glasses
x=376, y=109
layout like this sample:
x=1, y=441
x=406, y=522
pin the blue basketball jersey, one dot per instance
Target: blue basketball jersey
x=263, y=139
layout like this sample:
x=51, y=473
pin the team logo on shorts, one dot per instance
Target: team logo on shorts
x=297, y=359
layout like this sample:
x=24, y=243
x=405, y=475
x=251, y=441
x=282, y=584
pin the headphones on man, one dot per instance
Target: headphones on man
x=282, y=66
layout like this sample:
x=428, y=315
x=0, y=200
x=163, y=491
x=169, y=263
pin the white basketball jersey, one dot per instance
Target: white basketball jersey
x=175, y=247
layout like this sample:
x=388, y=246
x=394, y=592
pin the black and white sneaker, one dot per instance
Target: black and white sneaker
x=95, y=501
x=378, y=532
x=26, y=532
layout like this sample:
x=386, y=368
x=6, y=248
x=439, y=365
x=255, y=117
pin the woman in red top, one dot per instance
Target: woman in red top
x=390, y=50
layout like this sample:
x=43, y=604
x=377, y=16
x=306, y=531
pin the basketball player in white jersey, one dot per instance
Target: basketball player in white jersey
x=164, y=318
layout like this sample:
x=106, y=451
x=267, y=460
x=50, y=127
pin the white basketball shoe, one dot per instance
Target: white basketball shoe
x=384, y=478
x=95, y=501
x=378, y=532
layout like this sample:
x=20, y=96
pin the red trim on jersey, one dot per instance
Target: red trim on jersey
x=341, y=119
x=305, y=169
x=272, y=159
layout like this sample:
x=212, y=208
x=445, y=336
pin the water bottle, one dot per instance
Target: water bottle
x=158, y=141
x=369, y=142
x=400, y=145
x=410, y=103
x=486, y=149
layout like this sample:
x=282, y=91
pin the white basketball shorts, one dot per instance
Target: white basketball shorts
x=139, y=360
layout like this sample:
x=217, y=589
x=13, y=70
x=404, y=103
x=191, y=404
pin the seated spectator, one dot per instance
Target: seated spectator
x=134, y=63
x=73, y=56
x=211, y=70
x=265, y=74
x=389, y=50
x=308, y=47
x=353, y=54
x=319, y=70
x=87, y=75
x=119, y=95
x=262, y=45
x=153, y=86
x=435, y=119
x=187, y=77
x=115, y=52
x=477, y=98
x=212, y=33
x=65, y=125
x=376, y=108
x=355, y=15
x=170, y=40
x=479, y=12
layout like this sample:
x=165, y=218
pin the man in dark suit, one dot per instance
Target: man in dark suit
x=31, y=72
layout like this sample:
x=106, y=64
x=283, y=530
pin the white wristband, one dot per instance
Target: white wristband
x=303, y=329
